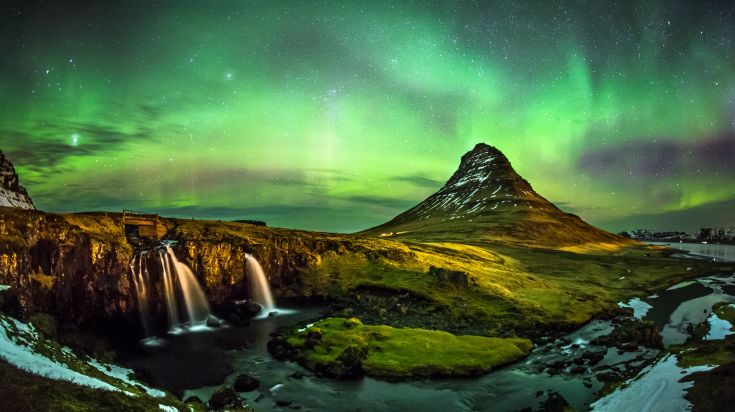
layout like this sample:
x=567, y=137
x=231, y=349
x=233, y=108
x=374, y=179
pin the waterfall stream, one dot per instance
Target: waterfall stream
x=186, y=303
x=261, y=291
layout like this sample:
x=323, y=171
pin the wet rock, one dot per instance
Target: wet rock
x=556, y=367
x=632, y=333
x=313, y=338
x=246, y=383
x=609, y=376
x=225, y=398
x=282, y=403
x=214, y=322
x=555, y=403
x=593, y=358
x=193, y=399
x=297, y=375
x=247, y=308
x=347, y=365
x=280, y=349
x=578, y=369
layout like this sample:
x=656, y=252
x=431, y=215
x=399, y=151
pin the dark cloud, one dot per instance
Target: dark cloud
x=663, y=157
x=388, y=202
x=35, y=151
x=691, y=219
x=420, y=181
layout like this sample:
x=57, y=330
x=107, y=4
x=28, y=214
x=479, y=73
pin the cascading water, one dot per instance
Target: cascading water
x=197, y=307
x=169, y=292
x=261, y=291
x=141, y=291
x=180, y=290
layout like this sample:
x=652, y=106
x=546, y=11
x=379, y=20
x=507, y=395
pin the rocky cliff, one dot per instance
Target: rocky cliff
x=77, y=266
x=12, y=194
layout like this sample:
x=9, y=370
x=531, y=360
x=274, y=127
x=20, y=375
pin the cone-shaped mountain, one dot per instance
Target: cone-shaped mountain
x=485, y=200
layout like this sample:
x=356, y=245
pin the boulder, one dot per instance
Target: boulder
x=225, y=398
x=246, y=383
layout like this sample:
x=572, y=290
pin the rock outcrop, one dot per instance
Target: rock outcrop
x=12, y=194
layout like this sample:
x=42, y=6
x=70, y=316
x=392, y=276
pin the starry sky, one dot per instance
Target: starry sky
x=338, y=115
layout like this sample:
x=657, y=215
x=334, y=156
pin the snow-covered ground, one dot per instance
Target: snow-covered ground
x=22, y=346
x=656, y=388
x=718, y=328
x=640, y=308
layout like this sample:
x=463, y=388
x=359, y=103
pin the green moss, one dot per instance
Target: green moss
x=384, y=351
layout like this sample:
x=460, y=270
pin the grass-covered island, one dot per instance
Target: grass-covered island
x=339, y=347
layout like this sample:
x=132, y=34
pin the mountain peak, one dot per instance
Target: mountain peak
x=485, y=198
x=12, y=194
x=484, y=183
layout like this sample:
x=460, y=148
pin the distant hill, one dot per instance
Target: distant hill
x=485, y=200
x=12, y=194
x=710, y=234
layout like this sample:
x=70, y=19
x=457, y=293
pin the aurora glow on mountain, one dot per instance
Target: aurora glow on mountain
x=339, y=115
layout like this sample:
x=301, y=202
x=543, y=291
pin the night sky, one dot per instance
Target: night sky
x=339, y=115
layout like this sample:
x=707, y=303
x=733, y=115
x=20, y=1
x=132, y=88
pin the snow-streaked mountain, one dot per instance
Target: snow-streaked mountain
x=12, y=194
x=486, y=200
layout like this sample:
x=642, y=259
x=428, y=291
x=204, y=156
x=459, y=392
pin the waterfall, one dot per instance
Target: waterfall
x=186, y=303
x=169, y=292
x=197, y=307
x=261, y=291
x=141, y=291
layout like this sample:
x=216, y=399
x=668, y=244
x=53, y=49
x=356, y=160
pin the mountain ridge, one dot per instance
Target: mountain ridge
x=12, y=194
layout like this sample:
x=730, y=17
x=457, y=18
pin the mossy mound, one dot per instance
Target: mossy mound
x=340, y=348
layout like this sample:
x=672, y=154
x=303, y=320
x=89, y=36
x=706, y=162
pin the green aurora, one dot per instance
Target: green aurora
x=337, y=116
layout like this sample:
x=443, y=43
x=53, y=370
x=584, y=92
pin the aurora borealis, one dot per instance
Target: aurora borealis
x=339, y=115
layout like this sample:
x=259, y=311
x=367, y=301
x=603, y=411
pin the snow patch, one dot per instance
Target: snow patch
x=13, y=199
x=167, y=408
x=682, y=284
x=656, y=388
x=718, y=328
x=20, y=345
x=123, y=374
x=640, y=308
x=15, y=349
